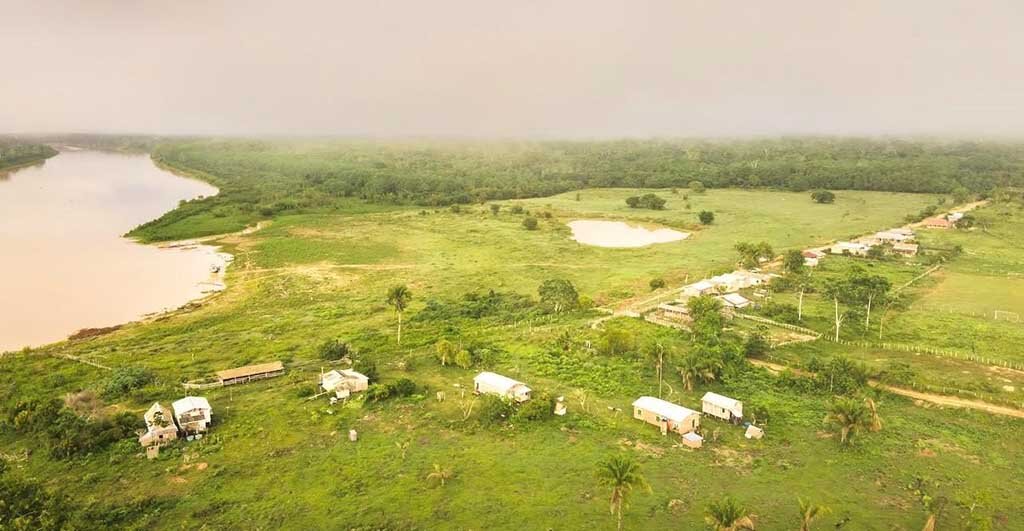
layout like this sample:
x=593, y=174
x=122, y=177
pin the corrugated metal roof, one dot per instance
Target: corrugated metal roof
x=496, y=380
x=250, y=370
x=189, y=403
x=721, y=401
x=673, y=412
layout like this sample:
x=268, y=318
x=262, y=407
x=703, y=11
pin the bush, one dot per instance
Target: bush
x=696, y=187
x=649, y=201
x=125, y=379
x=517, y=209
x=334, y=349
x=368, y=369
x=657, y=283
x=706, y=217
x=400, y=388
x=786, y=313
x=539, y=408
x=823, y=196
x=530, y=223
x=494, y=409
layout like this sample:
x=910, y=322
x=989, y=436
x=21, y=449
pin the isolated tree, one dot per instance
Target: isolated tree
x=445, y=351
x=848, y=416
x=440, y=474
x=558, y=294
x=530, y=223
x=398, y=299
x=706, y=217
x=706, y=312
x=495, y=208
x=751, y=254
x=728, y=515
x=633, y=201
x=867, y=289
x=621, y=474
x=696, y=187
x=656, y=283
x=808, y=512
x=803, y=284
x=839, y=291
x=793, y=261
x=823, y=196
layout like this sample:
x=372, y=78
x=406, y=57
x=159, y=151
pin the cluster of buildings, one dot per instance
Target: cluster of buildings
x=671, y=417
x=900, y=240
x=724, y=287
x=190, y=417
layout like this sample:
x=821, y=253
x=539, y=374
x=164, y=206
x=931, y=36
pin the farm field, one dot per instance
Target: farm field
x=307, y=278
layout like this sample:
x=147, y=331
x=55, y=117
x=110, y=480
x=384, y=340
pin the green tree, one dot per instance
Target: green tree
x=558, y=294
x=622, y=475
x=616, y=341
x=398, y=299
x=793, y=261
x=728, y=515
x=333, y=349
x=751, y=254
x=848, y=417
x=706, y=217
x=702, y=365
x=495, y=208
x=530, y=223
x=656, y=283
x=464, y=359
x=445, y=351
x=706, y=313
x=696, y=187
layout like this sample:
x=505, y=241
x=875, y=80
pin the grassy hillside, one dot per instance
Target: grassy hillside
x=277, y=460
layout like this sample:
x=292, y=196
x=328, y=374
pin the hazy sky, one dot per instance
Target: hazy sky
x=586, y=68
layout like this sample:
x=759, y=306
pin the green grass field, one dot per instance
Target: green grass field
x=275, y=460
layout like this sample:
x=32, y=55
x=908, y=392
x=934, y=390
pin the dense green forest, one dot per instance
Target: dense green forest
x=264, y=178
x=15, y=152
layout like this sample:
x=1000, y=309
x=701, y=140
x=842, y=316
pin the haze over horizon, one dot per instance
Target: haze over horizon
x=572, y=69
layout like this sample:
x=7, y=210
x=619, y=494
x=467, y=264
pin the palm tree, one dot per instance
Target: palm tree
x=728, y=515
x=808, y=512
x=398, y=298
x=622, y=474
x=850, y=416
x=697, y=368
x=875, y=422
x=440, y=474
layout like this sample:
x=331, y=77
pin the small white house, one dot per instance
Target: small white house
x=496, y=384
x=851, y=248
x=893, y=236
x=697, y=289
x=344, y=382
x=811, y=258
x=666, y=415
x=734, y=300
x=722, y=407
x=193, y=414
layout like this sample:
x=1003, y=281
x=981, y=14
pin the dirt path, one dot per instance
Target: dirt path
x=942, y=400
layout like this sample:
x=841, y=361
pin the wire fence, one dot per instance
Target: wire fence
x=933, y=351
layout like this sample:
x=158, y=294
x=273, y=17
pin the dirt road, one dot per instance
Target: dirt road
x=942, y=400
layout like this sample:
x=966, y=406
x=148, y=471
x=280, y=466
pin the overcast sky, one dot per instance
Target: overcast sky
x=555, y=68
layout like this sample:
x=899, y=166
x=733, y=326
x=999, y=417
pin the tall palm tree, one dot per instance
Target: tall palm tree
x=728, y=515
x=440, y=474
x=849, y=416
x=808, y=512
x=622, y=474
x=398, y=298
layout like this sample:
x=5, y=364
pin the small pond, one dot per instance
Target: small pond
x=619, y=234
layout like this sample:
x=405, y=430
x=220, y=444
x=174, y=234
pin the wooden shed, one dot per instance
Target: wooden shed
x=666, y=415
x=250, y=373
x=493, y=383
x=722, y=407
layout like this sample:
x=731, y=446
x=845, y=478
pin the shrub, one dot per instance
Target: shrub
x=649, y=201
x=786, y=313
x=517, y=209
x=696, y=187
x=657, y=283
x=823, y=196
x=540, y=407
x=125, y=379
x=530, y=223
x=494, y=409
x=368, y=369
x=334, y=349
x=706, y=217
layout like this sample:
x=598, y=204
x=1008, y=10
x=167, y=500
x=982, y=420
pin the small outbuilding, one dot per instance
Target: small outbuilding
x=938, y=222
x=811, y=258
x=850, y=248
x=692, y=440
x=344, y=382
x=678, y=312
x=894, y=236
x=193, y=415
x=697, y=289
x=496, y=384
x=666, y=415
x=906, y=249
x=250, y=372
x=753, y=432
x=722, y=407
x=734, y=300
x=160, y=428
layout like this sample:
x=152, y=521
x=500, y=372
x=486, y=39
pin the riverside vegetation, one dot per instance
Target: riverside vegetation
x=361, y=236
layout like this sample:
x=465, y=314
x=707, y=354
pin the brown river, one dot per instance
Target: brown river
x=64, y=265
